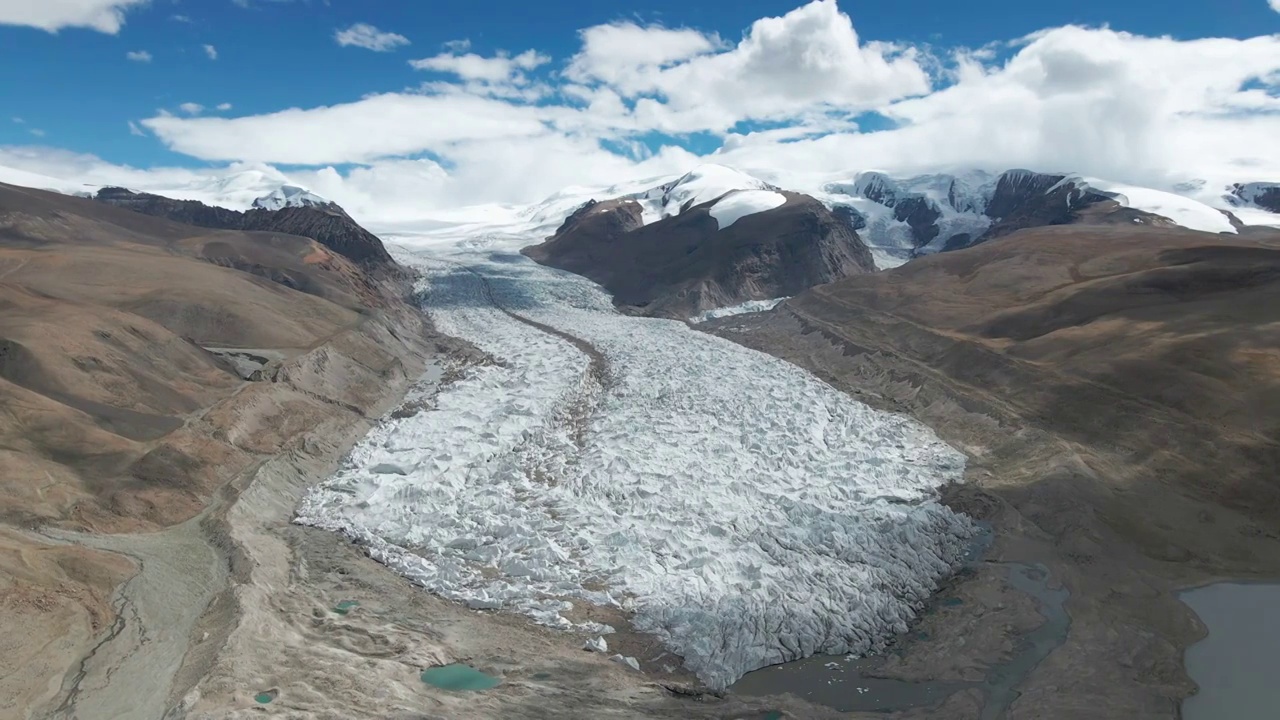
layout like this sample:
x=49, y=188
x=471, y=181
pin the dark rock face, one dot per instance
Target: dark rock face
x=854, y=219
x=1025, y=199
x=189, y=212
x=327, y=225
x=921, y=216
x=684, y=264
x=1264, y=195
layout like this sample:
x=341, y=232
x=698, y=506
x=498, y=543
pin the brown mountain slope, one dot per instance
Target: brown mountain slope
x=684, y=264
x=1117, y=390
x=328, y=225
x=106, y=318
x=124, y=404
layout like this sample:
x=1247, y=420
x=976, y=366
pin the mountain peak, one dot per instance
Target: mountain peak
x=290, y=196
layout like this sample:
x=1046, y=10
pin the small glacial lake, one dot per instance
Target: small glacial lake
x=1238, y=664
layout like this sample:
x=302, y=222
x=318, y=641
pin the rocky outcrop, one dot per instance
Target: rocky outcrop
x=1024, y=199
x=1263, y=195
x=327, y=224
x=685, y=264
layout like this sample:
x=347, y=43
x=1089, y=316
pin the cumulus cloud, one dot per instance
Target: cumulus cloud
x=501, y=76
x=1275, y=5
x=191, y=108
x=784, y=99
x=375, y=127
x=105, y=16
x=497, y=69
x=615, y=52
x=138, y=56
x=211, y=51
x=369, y=37
x=223, y=107
x=808, y=60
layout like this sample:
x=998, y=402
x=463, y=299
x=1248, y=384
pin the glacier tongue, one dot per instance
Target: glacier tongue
x=746, y=513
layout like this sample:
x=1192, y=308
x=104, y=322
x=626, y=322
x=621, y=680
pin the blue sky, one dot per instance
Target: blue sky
x=510, y=99
x=78, y=88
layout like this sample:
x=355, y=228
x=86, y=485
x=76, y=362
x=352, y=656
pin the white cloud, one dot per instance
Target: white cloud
x=191, y=108
x=457, y=46
x=808, y=60
x=19, y=120
x=180, y=18
x=138, y=56
x=1275, y=5
x=502, y=75
x=498, y=69
x=223, y=107
x=615, y=52
x=377, y=126
x=102, y=15
x=369, y=37
x=135, y=130
x=37, y=132
x=211, y=51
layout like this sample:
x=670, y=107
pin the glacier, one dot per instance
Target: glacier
x=738, y=508
x=750, y=306
x=741, y=203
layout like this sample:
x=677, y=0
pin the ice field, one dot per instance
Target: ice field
x=746, y=512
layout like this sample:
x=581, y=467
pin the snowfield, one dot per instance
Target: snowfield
x=746, y=513
x=737, y=205
x=1185, y=211
x=289, y=196
x=750, y=306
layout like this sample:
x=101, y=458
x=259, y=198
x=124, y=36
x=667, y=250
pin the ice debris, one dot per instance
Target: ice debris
x=628, y=661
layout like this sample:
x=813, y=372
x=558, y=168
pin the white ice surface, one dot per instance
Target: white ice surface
x=1256, y=216
x=888, y=259
x=737, y=205
x=289, y=196
x=749, y=306
x=24, y=178
x=744, y=511
x=700, y=185
x=1183, y=210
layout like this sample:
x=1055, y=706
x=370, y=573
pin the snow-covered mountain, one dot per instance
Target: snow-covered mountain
x=898, y=217
x=904, y=217
x=1263, y=195
x=253, y=186
x=707, y=239
x=289, y=196
x=704, y=183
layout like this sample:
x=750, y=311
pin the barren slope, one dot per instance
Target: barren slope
x=121, y=408
x=1118, y=392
